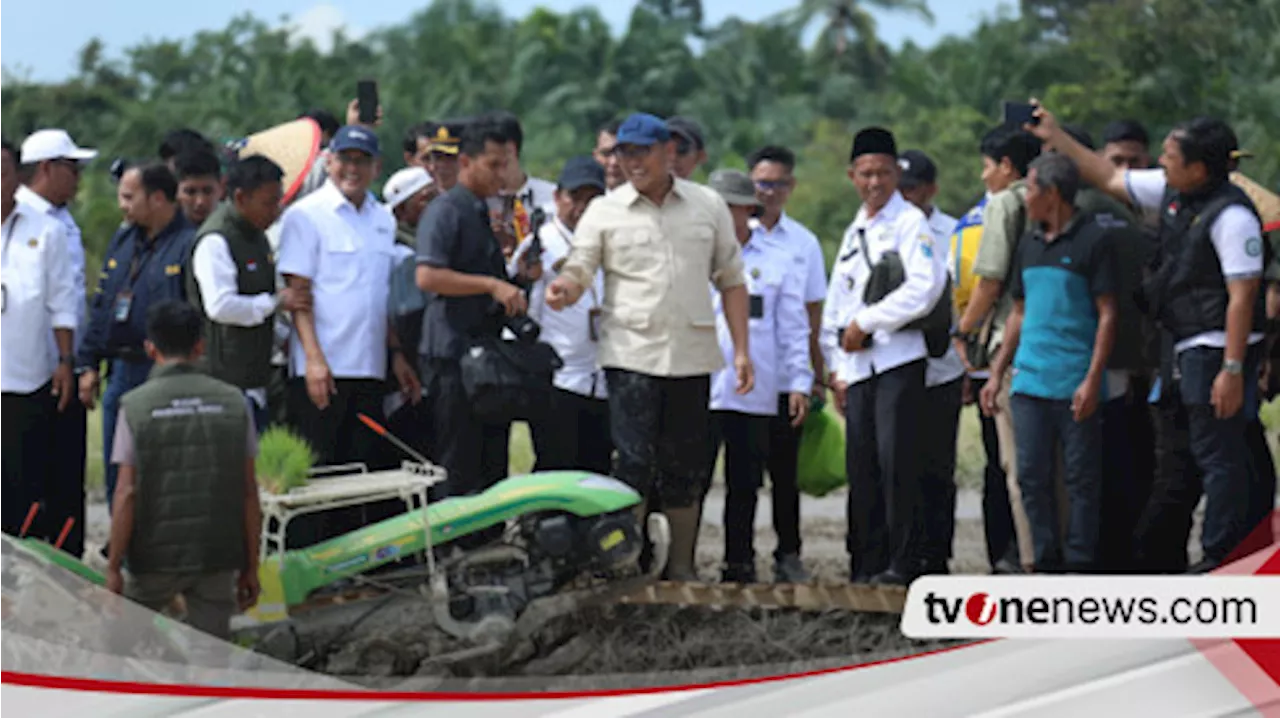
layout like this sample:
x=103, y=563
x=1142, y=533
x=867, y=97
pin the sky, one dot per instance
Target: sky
x=31, y=48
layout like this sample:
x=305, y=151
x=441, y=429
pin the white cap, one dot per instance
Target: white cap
x=405, y=184
x=53, y=145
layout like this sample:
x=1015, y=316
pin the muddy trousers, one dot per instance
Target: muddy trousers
x=883, y=463
x=660, y=428
x=745, y=438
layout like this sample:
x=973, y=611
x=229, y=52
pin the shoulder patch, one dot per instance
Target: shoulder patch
x=1253, y=247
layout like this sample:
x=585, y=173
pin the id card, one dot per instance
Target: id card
x=757, y=306
x=124, y=302
x=593, y=323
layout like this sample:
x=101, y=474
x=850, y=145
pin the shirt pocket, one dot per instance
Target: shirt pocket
x=635, y=252
x=24, y=278
x=340, y=262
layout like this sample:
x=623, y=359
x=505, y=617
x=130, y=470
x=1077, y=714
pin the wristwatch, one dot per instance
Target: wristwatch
x=1233, y=367
x=965, y=336
x=68, y=360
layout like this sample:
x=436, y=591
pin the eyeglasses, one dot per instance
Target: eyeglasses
x=632, y=151
x=772, y=185
x=360, y=161
x=683, y=146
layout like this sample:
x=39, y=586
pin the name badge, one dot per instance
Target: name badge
x=593, y=323
x=124, y=303
x=756, y=306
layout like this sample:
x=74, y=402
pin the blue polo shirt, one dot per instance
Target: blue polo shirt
x=1059, y=282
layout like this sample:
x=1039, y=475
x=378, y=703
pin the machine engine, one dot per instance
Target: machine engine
x=539, y=555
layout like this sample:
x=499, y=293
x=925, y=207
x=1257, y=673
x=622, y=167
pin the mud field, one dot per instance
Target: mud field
x=392, y=643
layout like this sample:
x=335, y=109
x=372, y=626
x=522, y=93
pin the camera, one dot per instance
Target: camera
x=523, y=326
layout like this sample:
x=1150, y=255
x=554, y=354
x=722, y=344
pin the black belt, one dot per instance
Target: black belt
x=131, y=355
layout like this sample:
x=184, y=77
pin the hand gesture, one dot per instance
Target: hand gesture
x=247, y=589
x=353, y=115
x=1085, y=401
x=510, y=297
x=410, y=386
x=987, y=397
x=798, y=406
x=745, y=373
x=295, y=299
x=853, y=338
x=1227, y=396
x=561, y=293
x=64, y=385
x=320, y=383
x=1047, y=128
x=89, y=388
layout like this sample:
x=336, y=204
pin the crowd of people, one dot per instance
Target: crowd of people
x=1114, y=319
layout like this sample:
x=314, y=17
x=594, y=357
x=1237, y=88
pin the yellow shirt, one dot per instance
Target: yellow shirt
x=657, y=315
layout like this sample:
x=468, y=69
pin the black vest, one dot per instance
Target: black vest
x=1187, y=293
x=234, y=354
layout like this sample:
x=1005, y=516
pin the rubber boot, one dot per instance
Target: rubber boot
x=684, y=539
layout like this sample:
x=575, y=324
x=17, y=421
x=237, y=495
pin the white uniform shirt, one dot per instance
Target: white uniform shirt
x=1236, y=237
x=39, y=296
x=899, y=226
x=216, y=275
x=568, y=331
x=75, y=258
x=778, y=332
x=347, y=254
x=799, y=241
x=948, y=367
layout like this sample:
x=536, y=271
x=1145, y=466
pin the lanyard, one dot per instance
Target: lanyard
x=139, y=262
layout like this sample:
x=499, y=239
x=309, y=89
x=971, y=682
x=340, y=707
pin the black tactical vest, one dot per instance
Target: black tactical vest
x=1187, y=293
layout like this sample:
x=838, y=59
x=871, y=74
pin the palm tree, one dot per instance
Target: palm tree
x=846, y=22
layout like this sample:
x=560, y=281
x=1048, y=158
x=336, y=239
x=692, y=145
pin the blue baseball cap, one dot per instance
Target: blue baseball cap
x=351, y=137
x=643, y=129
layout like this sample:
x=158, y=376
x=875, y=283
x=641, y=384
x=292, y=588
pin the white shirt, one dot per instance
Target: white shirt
x=948, y=367
x=39, y=296
x=799, y=241
x=1237, y=239
x=778, y=337
x=568, y=331
x=216, y=275
x=347, y=254
x=899, y=226
x=75, y=258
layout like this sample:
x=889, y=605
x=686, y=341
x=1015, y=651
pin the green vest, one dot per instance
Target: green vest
x=190, y=434
x=234, y=354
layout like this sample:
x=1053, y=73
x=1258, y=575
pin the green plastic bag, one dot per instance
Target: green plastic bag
x=820, y=468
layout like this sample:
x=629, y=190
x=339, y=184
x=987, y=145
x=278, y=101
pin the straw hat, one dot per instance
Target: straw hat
x=1266, y=201
x=293, y=145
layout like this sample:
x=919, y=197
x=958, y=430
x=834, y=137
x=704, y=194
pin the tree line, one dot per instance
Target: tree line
x=747, y=83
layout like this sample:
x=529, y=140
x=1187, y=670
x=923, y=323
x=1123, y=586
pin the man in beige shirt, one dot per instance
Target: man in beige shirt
x=660, y=239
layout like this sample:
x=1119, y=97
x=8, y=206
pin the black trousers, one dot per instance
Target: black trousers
x=337, y=436
x=661, y=428
x=1164, y=525
x=746, y=439
x=997, y=515
x=938, y=427
x=474, y=454
x=573, y=434
x=27, y=460
x=883, y=463
x=1262, y=492
x=782, y=462
x=65, y=496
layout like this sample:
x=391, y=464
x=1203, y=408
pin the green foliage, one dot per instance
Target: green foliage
x=284, y=460
x=748, y=83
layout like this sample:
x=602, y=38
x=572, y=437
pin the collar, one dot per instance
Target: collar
x=888, y=213
x=337, y=200
x=781, y=227
x=629, y=195
x=469, y=198
x=26, y=195
x=176, y=224
x=1068, y=230
x=176, y=368
x=562, y=228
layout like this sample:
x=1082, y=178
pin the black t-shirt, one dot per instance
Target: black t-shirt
x=455, y=234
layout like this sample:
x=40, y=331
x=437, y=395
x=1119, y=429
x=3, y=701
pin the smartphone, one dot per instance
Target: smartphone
x=1017, y=114
x=367, y=100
